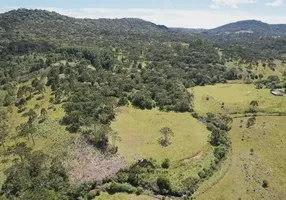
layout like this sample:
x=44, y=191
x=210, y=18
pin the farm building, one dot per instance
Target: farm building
x=276, y=92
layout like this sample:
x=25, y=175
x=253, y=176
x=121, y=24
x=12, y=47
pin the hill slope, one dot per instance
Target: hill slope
x=252, y=27
x=40, y=24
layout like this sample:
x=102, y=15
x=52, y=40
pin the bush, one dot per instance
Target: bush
x=265, y=184
x=220, y=152
x=191, y=184
x=114, y=187
x=133, y=179
x=166, y=163
x=139, y=191
x=92, y=194
x=164, y=185
x=195, y=115
x=122, y=101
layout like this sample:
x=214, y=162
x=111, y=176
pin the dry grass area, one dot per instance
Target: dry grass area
x=86, y=164
x=248, y=169
x=139, y=132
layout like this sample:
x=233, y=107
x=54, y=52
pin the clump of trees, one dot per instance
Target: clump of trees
x=166, y=133
x=36, y=176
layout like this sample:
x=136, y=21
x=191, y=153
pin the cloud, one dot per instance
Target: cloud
x=276, y=3
x=169, y=17
x=231, y=3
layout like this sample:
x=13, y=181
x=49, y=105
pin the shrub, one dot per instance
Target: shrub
x=191, y=184
x=133, y=179
x=114, y=187
x=265, y=184
x=195, y=115
x=164, y=184
x=122, y=101
x=220, y=152
x=166, y=163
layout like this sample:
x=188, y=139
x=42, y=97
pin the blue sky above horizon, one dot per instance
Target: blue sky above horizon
x=172, y=13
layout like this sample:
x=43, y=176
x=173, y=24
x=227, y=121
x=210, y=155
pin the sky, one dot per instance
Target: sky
x=172, y=13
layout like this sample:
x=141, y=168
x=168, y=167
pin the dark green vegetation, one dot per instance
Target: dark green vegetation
x=248, y=41
x=91, y=67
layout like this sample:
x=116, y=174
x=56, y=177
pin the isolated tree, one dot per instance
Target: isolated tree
x=265, y=184
x=253, y=104
x=114, y=137
x=32, y=115
x=166, y=134
x=22, y=102
x=26, y=130
x=250, y=122
x=44, y=114
x=21, y=150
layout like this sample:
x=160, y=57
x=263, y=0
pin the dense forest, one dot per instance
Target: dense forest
x=96, y=66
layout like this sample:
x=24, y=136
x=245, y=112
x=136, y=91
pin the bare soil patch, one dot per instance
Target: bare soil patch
x=86, y=164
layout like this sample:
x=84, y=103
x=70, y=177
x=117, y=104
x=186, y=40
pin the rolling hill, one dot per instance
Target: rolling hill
x=251, y=27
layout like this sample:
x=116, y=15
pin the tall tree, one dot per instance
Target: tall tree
x=44, y=114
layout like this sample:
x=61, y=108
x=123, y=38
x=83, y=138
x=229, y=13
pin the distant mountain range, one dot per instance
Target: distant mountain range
x=244, y=27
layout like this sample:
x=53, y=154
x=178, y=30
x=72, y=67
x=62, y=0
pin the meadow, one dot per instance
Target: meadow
x=236, y=99
x=139, y=133
x=257, y=156
x=189, y=151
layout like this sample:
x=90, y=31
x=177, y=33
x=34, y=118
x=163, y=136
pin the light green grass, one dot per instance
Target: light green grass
x=247, y=172
x=50, y=136
x=265, y=71
x=236, y=98
x=139, y=132
x=123, y=196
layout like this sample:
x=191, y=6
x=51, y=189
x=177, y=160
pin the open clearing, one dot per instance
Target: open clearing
x=123, y=196
x=189, y=152
x=236, y=99
x=248, y=170
x=139, y=132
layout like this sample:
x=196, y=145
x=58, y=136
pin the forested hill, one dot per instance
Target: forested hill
x=25, y=23
x=251, y=27
x=246, y=27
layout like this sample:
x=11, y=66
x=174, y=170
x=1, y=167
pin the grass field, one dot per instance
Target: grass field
x=123, y=196
x=246, y=173
x=139, y=132
x=236, y=99
x=189, y=152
